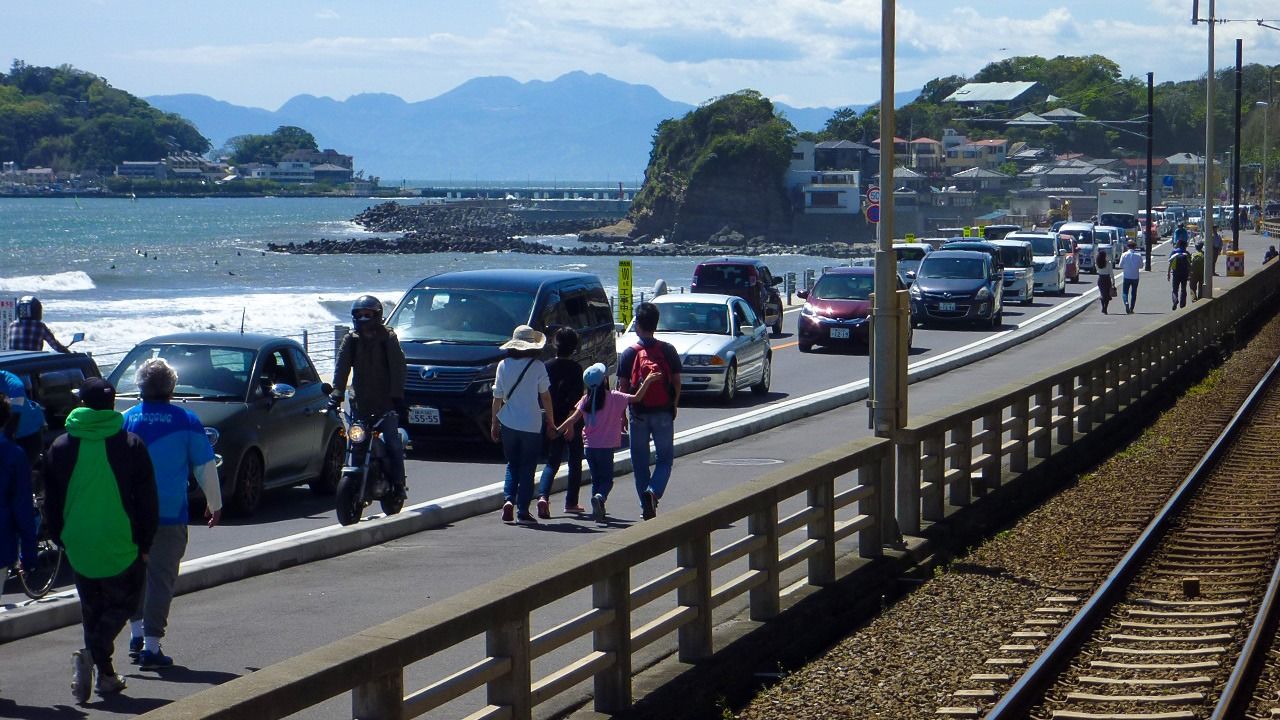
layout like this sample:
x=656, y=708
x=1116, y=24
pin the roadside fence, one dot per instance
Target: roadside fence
x=657, y=584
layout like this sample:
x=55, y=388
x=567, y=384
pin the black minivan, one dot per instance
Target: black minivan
x=452, y=324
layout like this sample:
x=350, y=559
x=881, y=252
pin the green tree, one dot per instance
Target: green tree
x=270, y=148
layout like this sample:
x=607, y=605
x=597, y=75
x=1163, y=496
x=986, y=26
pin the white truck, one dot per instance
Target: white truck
x=1119, y=208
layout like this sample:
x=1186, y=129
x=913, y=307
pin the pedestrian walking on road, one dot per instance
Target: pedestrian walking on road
x=522, y=413
x=565, y=375
x=100, y=502
x=1106, y=283
x=175, y=439
x=1178, y=273
x=1217, y=249
x=604, y=410
x=654, y=418
x=17, y=515
x=1130, y=268
x=1197, y=271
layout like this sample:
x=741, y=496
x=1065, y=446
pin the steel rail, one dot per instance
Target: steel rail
x=1031, y=687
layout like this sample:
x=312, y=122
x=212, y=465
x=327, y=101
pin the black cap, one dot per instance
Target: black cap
x=98, y=394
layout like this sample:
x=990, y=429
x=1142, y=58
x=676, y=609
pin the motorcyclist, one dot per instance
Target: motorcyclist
x=29, y=332
x=372, y=351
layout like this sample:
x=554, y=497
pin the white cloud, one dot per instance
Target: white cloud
x=327, y=14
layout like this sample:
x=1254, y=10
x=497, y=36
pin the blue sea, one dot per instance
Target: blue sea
x=122, y=270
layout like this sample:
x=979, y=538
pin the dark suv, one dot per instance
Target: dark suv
x=451, y=325
x=51, y=379
x=744, y=277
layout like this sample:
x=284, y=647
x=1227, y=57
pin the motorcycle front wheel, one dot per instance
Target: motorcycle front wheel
x=391, y=505
x=348, y=499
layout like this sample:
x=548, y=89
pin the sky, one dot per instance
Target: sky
x=805, y=53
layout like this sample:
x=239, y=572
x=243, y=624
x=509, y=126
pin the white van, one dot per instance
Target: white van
x=1082, y=234
x=1049, y=258
x=1019, y=268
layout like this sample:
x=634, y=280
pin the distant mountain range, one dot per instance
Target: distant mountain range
x=579, y=126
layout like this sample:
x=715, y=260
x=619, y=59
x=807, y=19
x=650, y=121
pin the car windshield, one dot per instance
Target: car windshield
x=204, y=371
x=693, y=317
x=844, y=287
x=1019, y=256
x=950, y=268
x=460, y=316
x=1043, y=245
x=909, y=253
x=1082, y=237
x=724, y=276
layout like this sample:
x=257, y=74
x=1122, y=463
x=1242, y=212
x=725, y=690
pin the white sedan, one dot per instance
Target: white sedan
x=723, y=345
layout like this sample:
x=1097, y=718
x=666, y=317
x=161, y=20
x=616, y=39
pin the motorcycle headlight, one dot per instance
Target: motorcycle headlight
x=356, y=434
x=212, y=434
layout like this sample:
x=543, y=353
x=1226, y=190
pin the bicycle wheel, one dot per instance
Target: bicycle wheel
x=37, y=581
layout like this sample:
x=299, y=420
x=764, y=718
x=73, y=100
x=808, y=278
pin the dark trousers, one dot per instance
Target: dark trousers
x=1179, y=291
x=556, y=450
x=106, y=604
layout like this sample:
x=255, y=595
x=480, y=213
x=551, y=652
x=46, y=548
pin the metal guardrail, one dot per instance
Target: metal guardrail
x=941, y=459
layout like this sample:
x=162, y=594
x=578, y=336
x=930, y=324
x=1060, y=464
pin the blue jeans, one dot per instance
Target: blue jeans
x=521, y=450
x=556, y=450
x=1130, y=293
x=395, y=448
x=660, y=426
x=600, y=462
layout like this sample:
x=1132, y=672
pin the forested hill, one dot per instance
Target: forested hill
x=71, y=120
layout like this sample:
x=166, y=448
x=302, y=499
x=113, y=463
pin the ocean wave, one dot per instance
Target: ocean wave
x=57, y=282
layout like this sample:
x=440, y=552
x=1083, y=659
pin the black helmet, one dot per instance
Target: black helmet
x=367, y=302
x=29, y=308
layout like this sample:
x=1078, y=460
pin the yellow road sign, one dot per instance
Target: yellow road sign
x=624, y=292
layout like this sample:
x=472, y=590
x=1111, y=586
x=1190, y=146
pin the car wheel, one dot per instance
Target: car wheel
x=777, y=327
x=998, y=319
x=348, y=500
x=326, y=483
x=1028, y=299
x=805, y=347
x=730, y=391
x=766, y=376
x=249, y=484
x=911, y=334
x=1062, y=287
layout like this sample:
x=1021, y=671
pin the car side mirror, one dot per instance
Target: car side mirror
x=78, y=337
x=911, y=274
x=326, y=388
x=745, y=329
x=802, y=294
x=776, y=281
x=619, y=328
x=282, y=391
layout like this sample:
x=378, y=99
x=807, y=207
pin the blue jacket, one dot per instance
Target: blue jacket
x=17, y=514
x=177, y=444
x=30, y=415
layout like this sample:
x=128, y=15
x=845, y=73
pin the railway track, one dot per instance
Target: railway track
x=1179, y=627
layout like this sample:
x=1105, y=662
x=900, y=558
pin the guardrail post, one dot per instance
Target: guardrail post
x=1065, y=409
x=933, y=467
x=613, y=684
x=379, y=699
x=1083, y=406
x=1021, y=412
x=765, y=602
x=822, y=564
x=908, y=506
x=1098, y=393
x=1111, y=384
x=339, y=332
x=1042, y=447
x=961, y=490
x=879, y=506
x=695, y=636
x=511, y=640
x=306, y=346
x=993, y=439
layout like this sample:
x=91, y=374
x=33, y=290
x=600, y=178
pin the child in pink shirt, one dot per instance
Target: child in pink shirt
x=603, y=410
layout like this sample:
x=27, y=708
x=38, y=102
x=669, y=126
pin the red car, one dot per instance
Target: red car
x=1068, y=245
x=837, y=311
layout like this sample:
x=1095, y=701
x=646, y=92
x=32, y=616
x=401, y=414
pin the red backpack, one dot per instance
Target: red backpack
x=648, y=360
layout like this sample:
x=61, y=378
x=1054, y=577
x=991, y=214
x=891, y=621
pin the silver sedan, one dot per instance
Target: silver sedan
x=723, y=345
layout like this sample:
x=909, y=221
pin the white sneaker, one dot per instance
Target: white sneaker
x=81, y=675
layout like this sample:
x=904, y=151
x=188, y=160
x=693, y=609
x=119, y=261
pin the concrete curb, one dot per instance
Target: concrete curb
x=64, y=609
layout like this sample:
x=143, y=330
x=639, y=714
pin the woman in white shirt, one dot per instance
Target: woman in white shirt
x=522, y=414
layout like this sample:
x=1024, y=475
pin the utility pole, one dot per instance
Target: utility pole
x=1235, y=156
x=1147, y=241
x=1207, y=289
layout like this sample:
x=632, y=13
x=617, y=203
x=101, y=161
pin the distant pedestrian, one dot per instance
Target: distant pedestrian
x=29, y=332
x=1106, y=284
x=178, y=447
x=26, y=420
x=17, y=513
x=1130, y=268
x=1217, y=250
x=1270, y=255
x=100, y=502
x=654, y=418
x=1178, y=273
x=565, y=376
x=1197, y=271
x=604, y=410
x=522, y=413
x=1181, y=234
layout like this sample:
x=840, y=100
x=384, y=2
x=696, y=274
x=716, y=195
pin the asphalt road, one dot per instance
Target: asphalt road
x=230, y=630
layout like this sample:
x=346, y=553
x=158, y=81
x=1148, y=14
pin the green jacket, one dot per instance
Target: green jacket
x=1197, y=264
x=100, y=494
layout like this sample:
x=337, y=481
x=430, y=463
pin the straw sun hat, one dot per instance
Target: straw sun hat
x=525, y=338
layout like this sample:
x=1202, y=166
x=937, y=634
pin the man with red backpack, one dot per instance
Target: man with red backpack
x=653, y=418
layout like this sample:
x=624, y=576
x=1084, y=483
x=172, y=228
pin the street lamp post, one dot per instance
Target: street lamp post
x=1266, y=106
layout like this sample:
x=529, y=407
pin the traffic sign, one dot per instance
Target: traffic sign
x=873, y=194
x=624, y=291
x=873, y=212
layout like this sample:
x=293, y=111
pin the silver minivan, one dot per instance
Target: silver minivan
x=1019, y=268
x=1049, y=258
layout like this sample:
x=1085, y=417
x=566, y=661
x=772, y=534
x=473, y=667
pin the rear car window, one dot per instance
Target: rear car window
x=723, y=276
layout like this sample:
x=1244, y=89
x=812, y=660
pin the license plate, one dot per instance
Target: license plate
x=419, y=415
x=947, y=306
x=839, y=333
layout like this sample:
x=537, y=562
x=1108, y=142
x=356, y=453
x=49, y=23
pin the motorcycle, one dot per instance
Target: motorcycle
x=366, y=473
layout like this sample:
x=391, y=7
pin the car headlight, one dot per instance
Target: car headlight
x=807, y=310
x=212, y=434
x=356, y=434
x=983, y=293
x=703, y=360
x=914, y=291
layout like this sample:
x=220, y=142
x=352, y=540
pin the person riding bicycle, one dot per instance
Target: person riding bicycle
x=29, y=332
x=17, y=514
x=372, y=351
